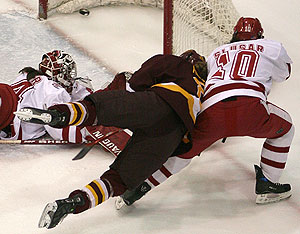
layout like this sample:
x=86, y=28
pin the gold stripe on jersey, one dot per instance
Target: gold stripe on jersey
x=194, y=107
x=200, y=82
x=200, y=87
x=198, y=76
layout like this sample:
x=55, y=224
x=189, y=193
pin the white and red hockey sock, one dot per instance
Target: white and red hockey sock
x=172, y=166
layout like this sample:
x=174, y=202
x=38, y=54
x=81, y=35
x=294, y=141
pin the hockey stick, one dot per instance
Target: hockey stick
x=38, y=142
x=89, y=146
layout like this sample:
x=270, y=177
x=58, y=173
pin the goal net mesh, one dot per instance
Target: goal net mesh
x=195, y=24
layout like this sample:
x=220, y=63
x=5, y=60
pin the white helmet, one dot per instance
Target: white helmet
x=60, y=67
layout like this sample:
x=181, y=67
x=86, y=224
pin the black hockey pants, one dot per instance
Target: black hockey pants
x=157, y=131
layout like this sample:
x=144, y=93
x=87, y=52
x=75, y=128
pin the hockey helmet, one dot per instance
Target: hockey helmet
x=247, y=29
x=192, y=56
x=198, y=62
x=59, y=67
x=8, y=104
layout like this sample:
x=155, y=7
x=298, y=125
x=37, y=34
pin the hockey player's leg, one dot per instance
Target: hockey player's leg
x=91, y=195
x=274, y=157
x=175, y=164
x=271, y=170
x=39, y=116
x=129, y=197
x=62, y=115
x=268, y=192
x=172, y=166
x=55, y=212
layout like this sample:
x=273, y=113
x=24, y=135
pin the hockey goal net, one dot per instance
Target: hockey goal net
x=188, y=24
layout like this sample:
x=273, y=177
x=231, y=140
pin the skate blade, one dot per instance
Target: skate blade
x=272, y=197
x=47, y=215
x=119, y=203
x=27, y=115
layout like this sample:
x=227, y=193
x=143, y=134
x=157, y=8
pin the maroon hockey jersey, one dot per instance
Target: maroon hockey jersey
x=173, y=79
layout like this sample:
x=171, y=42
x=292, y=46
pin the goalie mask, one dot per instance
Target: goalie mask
x=8, y=105
x=247, y=29
x=60, y=67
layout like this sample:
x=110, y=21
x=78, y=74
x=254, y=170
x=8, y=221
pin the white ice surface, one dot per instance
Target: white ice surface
x=214, y=195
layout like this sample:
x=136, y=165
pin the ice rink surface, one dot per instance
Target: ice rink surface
x=213, y=195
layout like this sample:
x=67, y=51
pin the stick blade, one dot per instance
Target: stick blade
x=88, y=147
x=82, y=152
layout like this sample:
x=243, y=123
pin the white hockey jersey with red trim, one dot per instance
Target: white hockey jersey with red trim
x=42, y=93
x=245, y=68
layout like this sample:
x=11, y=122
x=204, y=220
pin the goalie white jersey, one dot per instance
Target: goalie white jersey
x=42, y=93
x=234, y=70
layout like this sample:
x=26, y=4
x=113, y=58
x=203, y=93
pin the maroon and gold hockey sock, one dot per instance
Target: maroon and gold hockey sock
x=81, y=113
x=78, y=113
x=98, y=191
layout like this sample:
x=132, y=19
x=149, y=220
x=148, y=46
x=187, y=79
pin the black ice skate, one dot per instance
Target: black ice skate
x=39, y=116
x=55, y=212
x=267, y=191
x=129, y=197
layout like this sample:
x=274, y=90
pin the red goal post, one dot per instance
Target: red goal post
x=188, y=24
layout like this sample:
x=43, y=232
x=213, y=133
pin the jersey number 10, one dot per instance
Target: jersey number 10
x=244, y=65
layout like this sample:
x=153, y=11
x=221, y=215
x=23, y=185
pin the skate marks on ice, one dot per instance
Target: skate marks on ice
x=25, y=39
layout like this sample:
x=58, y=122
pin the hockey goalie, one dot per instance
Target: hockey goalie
x=55, y=81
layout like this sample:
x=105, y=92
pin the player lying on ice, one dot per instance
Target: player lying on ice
x=55, y=82
x=160, y=113
x=235, y=104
